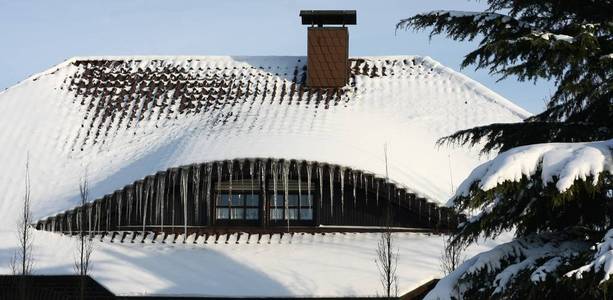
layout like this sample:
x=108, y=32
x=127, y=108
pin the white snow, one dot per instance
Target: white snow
x=311, y=265
x=416, y=102
x=409, y=107
x=565, y=161
x=603, y=259
x=555, y=37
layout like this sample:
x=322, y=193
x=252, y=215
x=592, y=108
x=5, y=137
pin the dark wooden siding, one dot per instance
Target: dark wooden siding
x=181, y=198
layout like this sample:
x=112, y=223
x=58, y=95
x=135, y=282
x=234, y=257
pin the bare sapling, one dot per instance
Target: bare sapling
x=387, y=255
x=85, y=245
x=22, y=262
x=452, y=256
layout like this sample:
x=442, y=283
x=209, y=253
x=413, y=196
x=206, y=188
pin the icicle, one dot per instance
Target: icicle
x=108, y=213
x=209, y=172
x=173, y=185
x=263, y=178
x=144, y=212
x=251, y=169
x=366, y=190
x=286, y=165
x=161, y=198
x=230, y=165
x=219, y=172
x=184, y=192
x=240, y=168
x=309, y=168
x=342, y=171
x=139, y=198
x=70, y=225
x=273, y=167
x=119, y=208
x=331, y=173
x=98, y=211
x=377, y=193
x=196, y=186
x=299, y=169
x=354, y=176
x=129, y=206
x=320, y=172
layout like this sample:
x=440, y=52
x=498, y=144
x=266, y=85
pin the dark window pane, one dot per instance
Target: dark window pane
x=306, y=214
x=238, y=200
x=223, y=213
x=252, y=200
x=277, y=201
x=293, y=214
x=223, y=200
x=293, y=200
x=252, y=214
x=238, y=213
x=306, y=200
x=276, y=214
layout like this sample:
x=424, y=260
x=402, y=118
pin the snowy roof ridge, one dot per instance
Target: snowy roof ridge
x=480, y=88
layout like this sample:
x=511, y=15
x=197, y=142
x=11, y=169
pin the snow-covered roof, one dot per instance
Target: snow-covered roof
x=122, y=118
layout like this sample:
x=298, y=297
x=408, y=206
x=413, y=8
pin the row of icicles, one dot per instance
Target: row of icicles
x=140, y=195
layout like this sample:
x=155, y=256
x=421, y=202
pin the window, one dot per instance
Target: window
x=299, y=207
x=238, y=206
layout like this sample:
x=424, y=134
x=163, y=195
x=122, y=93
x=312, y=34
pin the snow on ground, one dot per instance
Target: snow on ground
x=311, y=265
x=565, y=161
x=408, y=103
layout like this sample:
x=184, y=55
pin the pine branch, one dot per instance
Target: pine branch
x=504, y=136
x=554, y=40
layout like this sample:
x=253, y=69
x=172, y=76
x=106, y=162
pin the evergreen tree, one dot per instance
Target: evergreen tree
x=571, y=43
x=568, y=41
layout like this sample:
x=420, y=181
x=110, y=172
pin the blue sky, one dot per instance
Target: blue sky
x=35, y=35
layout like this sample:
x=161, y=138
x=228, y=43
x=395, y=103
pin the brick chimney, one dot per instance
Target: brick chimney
x=328, y=47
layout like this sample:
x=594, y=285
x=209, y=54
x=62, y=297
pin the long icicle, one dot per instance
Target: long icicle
x=262, y=165
x=184, y=192
x=286, y=165
x=196, y=187
x=207, y=199
x=342, y=173
x=273, y=167
x=161, y=198
x=230, y=165
x=331, y=175
x=308, y=170
x=119, y=208
x=298, y=165
x=320, y=173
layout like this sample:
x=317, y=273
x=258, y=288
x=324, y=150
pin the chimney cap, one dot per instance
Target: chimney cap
x=328, y=17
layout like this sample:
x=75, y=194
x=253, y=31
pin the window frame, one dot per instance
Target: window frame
x=241, y=191
x=293, y=222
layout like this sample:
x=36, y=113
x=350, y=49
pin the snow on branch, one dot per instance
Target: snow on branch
x=603, y=260
x=538, y=254
x=564, y=162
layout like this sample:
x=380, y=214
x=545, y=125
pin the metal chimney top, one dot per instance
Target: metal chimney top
x=328, y=17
